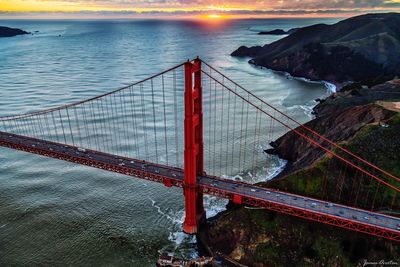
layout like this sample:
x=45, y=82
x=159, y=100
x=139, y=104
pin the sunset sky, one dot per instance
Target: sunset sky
x=193, y=8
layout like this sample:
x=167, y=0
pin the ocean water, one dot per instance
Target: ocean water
x=54, y=213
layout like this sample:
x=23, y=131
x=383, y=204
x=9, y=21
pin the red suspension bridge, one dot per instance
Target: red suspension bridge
x=193, y=127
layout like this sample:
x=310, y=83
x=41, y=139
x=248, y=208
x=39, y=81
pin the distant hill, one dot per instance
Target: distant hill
x=364, y=49
x=10, y=32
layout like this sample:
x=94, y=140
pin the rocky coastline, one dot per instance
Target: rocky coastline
x=360, y=49
x=365, y=110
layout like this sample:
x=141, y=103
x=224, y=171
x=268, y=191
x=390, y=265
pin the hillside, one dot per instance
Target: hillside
x=359, y=49
x=354, y=118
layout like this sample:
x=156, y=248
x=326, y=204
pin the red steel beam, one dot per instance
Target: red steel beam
x=193, y=154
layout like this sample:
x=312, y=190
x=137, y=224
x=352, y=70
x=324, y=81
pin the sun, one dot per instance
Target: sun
x=214, y=16
x=211, y=18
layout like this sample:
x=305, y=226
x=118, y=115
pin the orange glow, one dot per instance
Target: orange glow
x=214, y=16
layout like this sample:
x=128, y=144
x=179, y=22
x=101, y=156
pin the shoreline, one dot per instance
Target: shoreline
x=330, y=86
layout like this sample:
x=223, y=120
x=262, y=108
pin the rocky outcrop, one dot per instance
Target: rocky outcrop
x=273, y=32
x=361, y=49
x=245, y=51
x=278, y=32
x=10, y=32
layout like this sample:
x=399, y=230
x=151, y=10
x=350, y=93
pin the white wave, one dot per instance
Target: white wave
x=158, y=208
x=238, y=178
x=214, y=205
x=330, y=87
x=308, y=110
x=273, y=172
x=179, y=239
x=176, y=235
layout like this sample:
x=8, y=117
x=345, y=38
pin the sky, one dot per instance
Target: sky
x=211, y=9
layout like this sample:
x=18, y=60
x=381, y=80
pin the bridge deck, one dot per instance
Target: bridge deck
x=312, y=209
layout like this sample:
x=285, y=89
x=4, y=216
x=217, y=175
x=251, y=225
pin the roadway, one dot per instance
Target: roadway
x=211, y=185
x=306, y=203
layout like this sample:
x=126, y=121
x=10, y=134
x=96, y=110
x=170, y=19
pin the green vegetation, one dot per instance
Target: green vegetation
x=264, y=219
x=266, y=253
x=380, y=145
x=377, y=144
x=330, y=251
x=307, y=181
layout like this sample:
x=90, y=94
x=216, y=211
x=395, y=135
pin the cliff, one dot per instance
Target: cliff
x=361, y=49
x=365, y=121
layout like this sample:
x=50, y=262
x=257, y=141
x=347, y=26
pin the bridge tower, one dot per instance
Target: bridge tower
x=194, y=147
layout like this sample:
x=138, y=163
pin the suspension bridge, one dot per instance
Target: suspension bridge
x=195, y=128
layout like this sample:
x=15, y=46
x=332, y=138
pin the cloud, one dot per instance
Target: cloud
x=193, y=7
x=234, y=4
x=199, y=12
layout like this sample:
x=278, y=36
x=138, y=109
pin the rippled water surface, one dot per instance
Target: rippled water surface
x=57, y=213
